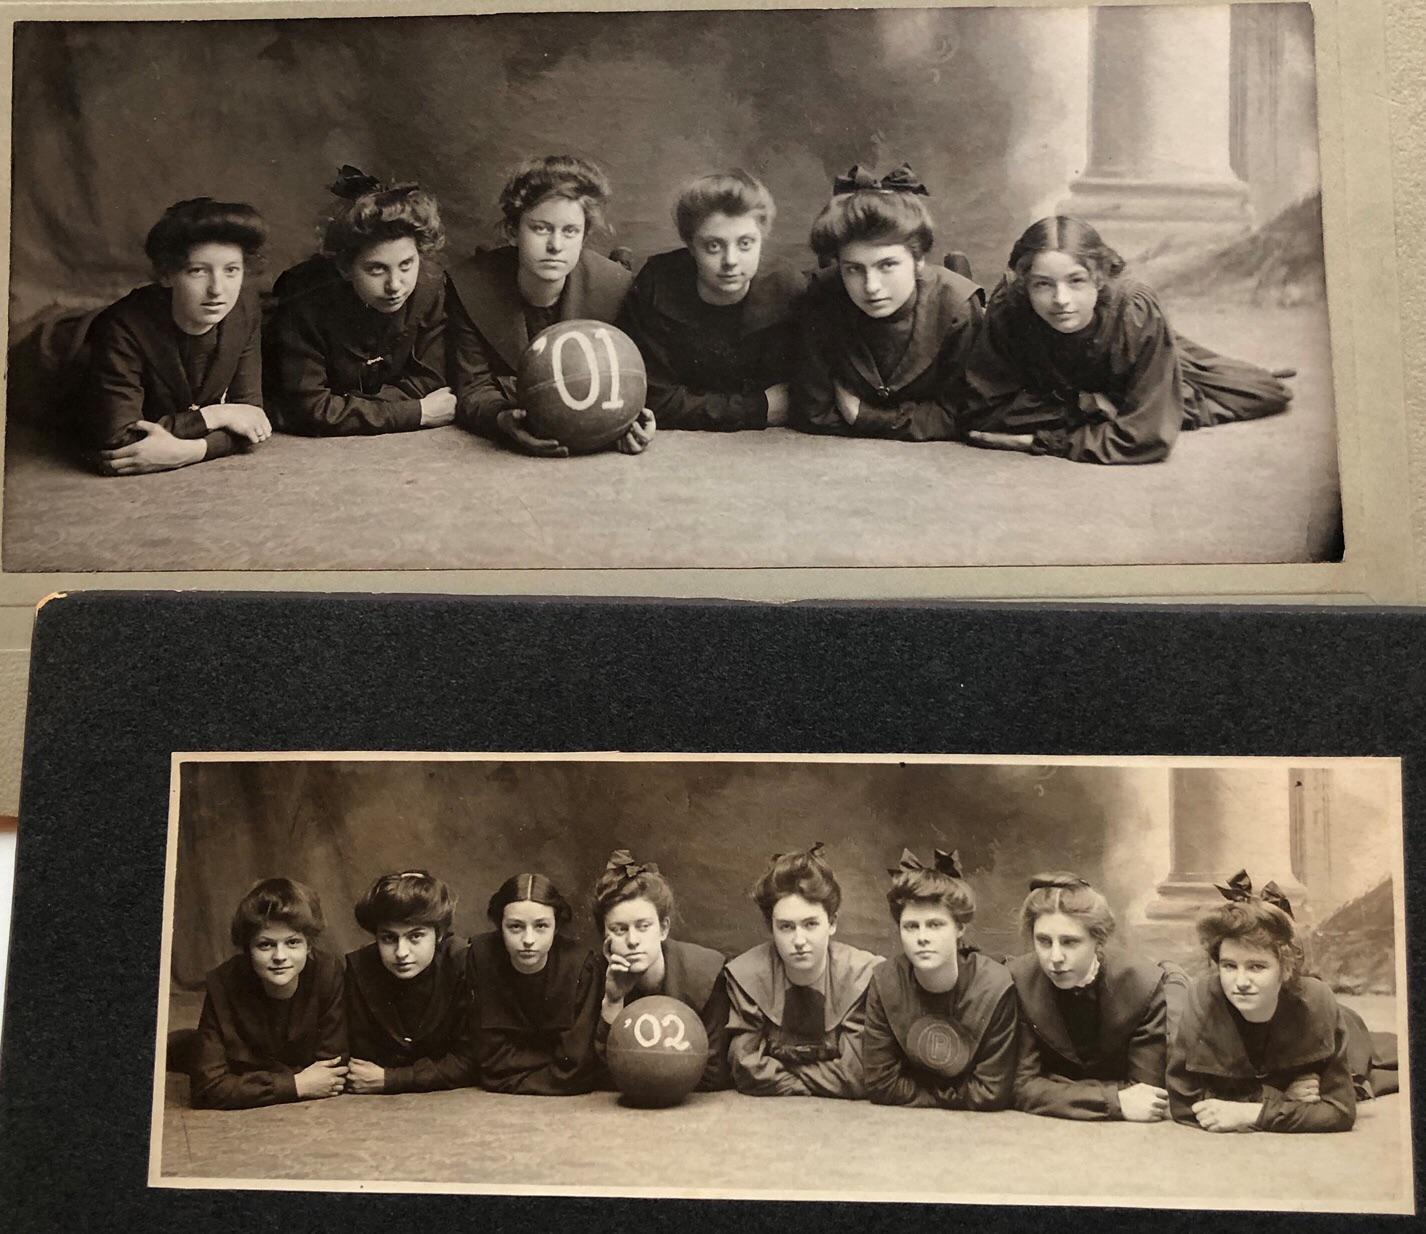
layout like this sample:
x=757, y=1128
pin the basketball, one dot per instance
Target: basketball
x=582, y=383
x=657, y=1050
x=939, y=1045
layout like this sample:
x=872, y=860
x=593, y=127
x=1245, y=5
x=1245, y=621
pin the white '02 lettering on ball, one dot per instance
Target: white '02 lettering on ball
x=591, y=363
x=655, y=1030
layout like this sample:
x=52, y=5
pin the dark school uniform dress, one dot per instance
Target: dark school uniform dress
x=786, y=1040
x=336, y=367
x=1079, y=1047
x=417, y=1029
x=249, y=1046
x=693, y=975
x=534, y=1033
x=955, y=1050
x=1118, y=391
x=908, y=370
x=709, y=365
x=1216, y=1053
x=143, y=367
x=491, y=325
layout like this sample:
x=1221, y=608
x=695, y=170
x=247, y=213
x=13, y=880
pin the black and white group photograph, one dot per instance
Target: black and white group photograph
x=763, y=288
x=816, y=977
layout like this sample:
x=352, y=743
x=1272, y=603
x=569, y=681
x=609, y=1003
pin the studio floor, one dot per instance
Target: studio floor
x=443, y=499
x=728, y=1144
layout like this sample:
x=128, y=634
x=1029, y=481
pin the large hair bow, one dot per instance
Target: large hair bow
x=352, y=182
x=898, y=180
x=942, y=863
x=1239, y=888
x=815, y=851
x=622, y=859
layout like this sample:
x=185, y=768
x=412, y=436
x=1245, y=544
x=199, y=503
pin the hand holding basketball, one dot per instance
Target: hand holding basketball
x=511, y=422
x=640, y=434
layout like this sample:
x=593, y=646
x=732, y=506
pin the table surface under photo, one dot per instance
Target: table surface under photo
x=1260, y=492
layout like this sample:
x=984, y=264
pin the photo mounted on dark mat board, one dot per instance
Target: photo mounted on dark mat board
x=550, y=957
x=959, y=299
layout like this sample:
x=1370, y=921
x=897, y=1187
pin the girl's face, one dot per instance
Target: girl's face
x=726, y=249
x=278, y=954
x=550, y=239
x=879, y=278
x=529, y=932
x=1063, y=293
x=632, y=929
x=1064, y=949
x=384, y=275
x=406, y=947
x=802, y=932
x=929, y=935
x=1251, y=977
x=206, y=288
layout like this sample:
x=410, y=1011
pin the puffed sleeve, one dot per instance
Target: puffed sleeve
x=754, y=1071
x=215, y=1084
x=888, y=1079
x=480, y=394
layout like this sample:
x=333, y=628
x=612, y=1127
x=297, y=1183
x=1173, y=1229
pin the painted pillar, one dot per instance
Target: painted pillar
x=1159, y=130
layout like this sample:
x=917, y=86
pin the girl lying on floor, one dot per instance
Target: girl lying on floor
x=408, y=1007
x=505, y=296
x=633, y=911
x=940, y=1017
x=1260, y=1045
x=882, y=337
x=1076, y=359
x=797, y=1002
x=272, y=1027
x=713, y=319
x=535, y=995
x=175, y=368
x=357, y=344
x=1094, y=1018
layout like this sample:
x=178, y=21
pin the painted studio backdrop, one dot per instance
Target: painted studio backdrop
x=1202, y=167
x=1153, y=838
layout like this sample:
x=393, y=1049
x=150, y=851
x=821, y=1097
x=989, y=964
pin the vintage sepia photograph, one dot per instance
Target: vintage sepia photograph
x=946, y=979
x=937, y=286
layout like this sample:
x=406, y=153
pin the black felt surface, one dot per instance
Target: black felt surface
x=121, y=680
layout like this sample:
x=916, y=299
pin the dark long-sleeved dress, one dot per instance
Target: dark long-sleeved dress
x=416, y=1029
x=534, y=1033
x=1118, y=391
x=908, y=370
x=143, y=367
x=336, y=367
x=981, y=1005
x=491, y=325
x=709, y=365
x=1213, y=1055
x=798, y=1041
x=1078, y=1048
x=693, y=975
x=250, y=1047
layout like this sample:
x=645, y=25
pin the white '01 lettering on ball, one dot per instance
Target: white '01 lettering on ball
x=592, y=364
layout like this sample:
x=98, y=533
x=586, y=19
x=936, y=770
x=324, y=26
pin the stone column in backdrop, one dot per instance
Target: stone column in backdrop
x=1221, y=821
x=1159, y=170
